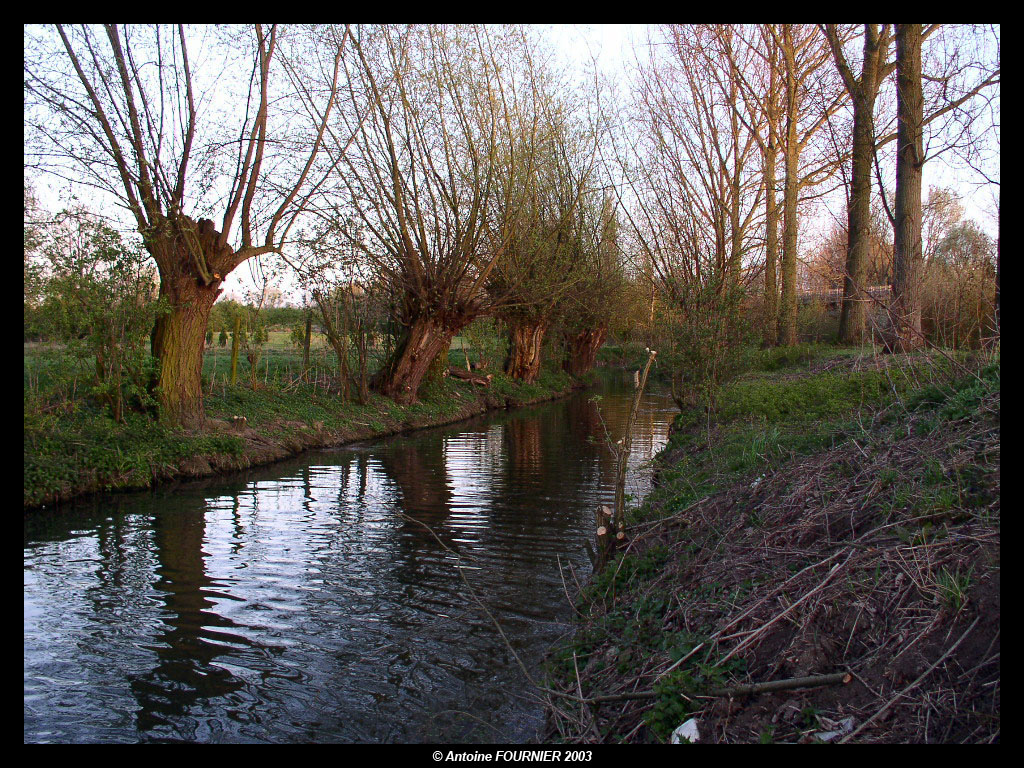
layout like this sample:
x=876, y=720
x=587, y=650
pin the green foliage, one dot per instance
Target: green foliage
x=86, y=450
x=706, y=336
x=627, y=569
x=810, y=398
x=676, y=693
x=953, y=587
x=941, y=403
x=297, y=336
x=97, y=301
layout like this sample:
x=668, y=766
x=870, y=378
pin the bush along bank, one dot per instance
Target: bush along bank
x=836, y=519
x=82, y=450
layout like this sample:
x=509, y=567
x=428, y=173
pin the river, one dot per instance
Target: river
x=404, y=589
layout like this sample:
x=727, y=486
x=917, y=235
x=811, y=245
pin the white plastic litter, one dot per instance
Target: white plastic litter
x=843, y=727
x=687, y=732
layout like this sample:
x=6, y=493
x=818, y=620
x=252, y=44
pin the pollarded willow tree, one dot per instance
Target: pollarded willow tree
x=443, y=116
x=181, y=126
x=596, y=282
x=545, y=256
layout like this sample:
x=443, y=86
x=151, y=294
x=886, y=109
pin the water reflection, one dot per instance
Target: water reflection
x=343, y=596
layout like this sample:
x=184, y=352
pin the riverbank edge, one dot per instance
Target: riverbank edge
x=926, y=470
x=287, y=439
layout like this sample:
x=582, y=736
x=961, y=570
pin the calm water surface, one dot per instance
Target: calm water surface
x=336, y=597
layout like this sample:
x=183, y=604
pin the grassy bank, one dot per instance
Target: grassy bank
x=837, y=514
x=73, y=447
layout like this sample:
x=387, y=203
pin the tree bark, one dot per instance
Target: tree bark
x=181, y=250
x=907, y=246
x=424, y=340
x=476, y=378
x=771, y=287
x=178, y=345
x=863, y=91
x=582, y=352
x=306, y=339
x=788, y=310
x=524, y=353
x=853, y=316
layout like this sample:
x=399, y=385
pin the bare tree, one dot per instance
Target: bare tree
x=547, y=255
x=954, y=86
x=132, y=112
x=863, y=90
x=442, y=118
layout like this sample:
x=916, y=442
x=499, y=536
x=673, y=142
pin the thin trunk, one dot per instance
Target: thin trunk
x=771, y=287
x=306, y=340
x=235, y=343
x=788, y=310
x=996, y=303
x=362, y=342
x=336, y=337
x=907, y=247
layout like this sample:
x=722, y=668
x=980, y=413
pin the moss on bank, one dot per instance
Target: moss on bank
x=838, y=513
x=80, y=449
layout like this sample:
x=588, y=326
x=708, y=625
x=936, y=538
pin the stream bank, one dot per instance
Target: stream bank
x=68, y=456
x=839, y=514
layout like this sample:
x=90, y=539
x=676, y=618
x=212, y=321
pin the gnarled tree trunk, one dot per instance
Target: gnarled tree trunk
x=423, y=341
x=177, y=343
x=178, y=335
x=582, y=351
x=524, y=357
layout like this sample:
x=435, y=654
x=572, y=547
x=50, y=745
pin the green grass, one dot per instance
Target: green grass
x=786, y=405
x=71, y=444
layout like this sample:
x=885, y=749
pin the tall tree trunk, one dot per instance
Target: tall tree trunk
x=235, y=346
x=853, y=316
x=582, y=350
x=771, y=248
x=996, y=302
x=788, y=310
x=524, y=353
x=306, y=339
x=907, y=247
x=863, y=91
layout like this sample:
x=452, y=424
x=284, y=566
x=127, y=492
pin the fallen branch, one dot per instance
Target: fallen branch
x=814, y=681
x=476, y=378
